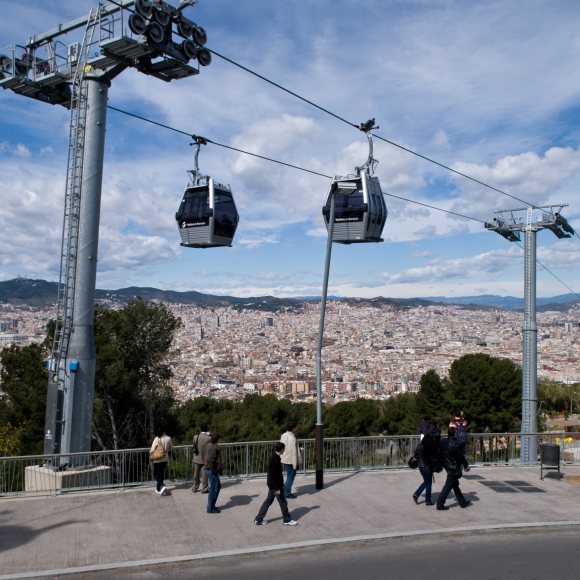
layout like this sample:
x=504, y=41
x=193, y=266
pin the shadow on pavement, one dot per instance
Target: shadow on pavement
x=14, y=536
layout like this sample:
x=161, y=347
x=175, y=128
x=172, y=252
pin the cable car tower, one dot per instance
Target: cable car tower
x=156, y=39
x=509, y=224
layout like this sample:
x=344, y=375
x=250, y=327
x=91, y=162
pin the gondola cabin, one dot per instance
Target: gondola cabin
x=360, y=210
x=207, y=216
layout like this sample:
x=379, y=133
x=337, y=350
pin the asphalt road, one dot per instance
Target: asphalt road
x=536, y=554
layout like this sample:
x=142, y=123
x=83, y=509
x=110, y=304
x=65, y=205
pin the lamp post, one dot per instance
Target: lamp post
x=319, y=441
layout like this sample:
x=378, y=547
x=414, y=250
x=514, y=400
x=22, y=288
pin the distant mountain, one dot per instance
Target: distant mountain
x=508, y=302
x=42, y=294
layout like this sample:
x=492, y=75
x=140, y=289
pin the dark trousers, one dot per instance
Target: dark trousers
x=159, y=473
x=451, y=483
x=268, y=502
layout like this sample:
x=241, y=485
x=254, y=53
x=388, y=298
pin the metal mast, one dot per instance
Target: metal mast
x=78, y=75
x=509, y=226
x=59, y=396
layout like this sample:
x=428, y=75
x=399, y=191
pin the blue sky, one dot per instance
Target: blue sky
x=485, y=87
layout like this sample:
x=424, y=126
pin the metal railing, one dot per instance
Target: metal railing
x=98, y=470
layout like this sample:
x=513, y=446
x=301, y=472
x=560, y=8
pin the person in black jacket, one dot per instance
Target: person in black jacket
x=426, y=454
x=453, y=462
x=275, y=482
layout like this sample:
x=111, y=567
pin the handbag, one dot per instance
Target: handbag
x=158, y=451
x=413, y=462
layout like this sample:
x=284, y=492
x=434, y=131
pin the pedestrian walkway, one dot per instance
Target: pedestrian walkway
x=77, y=532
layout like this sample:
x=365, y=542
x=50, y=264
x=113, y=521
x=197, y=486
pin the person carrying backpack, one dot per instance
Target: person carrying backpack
x=459, y=423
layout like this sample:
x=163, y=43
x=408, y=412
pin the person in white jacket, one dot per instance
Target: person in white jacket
x=290, y=458
x=160, y=464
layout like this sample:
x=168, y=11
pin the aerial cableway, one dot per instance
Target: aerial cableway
x=207, y=216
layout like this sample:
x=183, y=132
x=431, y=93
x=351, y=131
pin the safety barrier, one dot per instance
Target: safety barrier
x=53, y=474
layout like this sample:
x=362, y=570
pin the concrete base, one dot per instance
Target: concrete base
x=38, y=478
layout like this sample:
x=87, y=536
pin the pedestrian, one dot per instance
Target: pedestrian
x=453, y=462
x=459, y=423
x=290, y=458
x=200, y=442
x=428, y=427
x=160, y=464
x=213, y=468
x=275, y=482
x=427, y=454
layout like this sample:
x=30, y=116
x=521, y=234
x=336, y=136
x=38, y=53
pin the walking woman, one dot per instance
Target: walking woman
x=427, y=455
x=159, y=455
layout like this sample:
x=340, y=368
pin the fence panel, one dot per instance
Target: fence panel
x=50, y=475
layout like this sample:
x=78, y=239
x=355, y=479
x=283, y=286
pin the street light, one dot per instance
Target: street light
x=361, y=218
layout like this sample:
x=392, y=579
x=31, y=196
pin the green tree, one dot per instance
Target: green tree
x=357, y=418
x=488, y=390
x=432, y=398
x=132, y=390
x=401, y=415
x=23, y=380
x=10, y=440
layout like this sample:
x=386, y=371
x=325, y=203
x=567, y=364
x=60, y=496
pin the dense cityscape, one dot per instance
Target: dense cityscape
x=369, y=351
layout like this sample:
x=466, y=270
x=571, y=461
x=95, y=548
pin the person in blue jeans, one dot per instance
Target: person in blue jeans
x=427, y=455
x=291, y=458
x=213, y=469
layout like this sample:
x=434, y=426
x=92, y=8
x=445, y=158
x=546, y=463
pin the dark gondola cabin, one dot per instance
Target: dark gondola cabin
x=360, y=209
x=207, y=216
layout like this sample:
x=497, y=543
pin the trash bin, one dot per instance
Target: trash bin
x=550, y=458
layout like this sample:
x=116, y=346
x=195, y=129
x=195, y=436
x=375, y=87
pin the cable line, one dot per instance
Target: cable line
x=554, y=275
x=168, y=127
x=284, y=89
x=357, y=126
x=158, y=124
x=436, y=208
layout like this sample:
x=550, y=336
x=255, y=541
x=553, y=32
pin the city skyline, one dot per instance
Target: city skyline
x=481, y=88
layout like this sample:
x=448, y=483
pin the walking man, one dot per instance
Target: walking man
x=200, y=442
x=213, y=469
x=453, y=461
x=290, y=458
x=275, y=482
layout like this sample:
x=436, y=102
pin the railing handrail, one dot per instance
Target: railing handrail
x=46, y=458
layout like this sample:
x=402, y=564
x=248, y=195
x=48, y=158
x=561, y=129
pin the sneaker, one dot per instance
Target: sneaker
x=416, y=499
x=215, y=511
x=429, y=503
x=205, y=491
x=291, y=523
x=291, y=496
x=157, y=492
x=260, y=522
x=162, y=490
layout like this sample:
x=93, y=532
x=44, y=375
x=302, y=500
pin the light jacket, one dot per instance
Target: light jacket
x=167, y=445
x=291, y=455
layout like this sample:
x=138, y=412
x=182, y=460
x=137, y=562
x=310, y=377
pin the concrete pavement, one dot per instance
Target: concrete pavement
x=76, y=532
